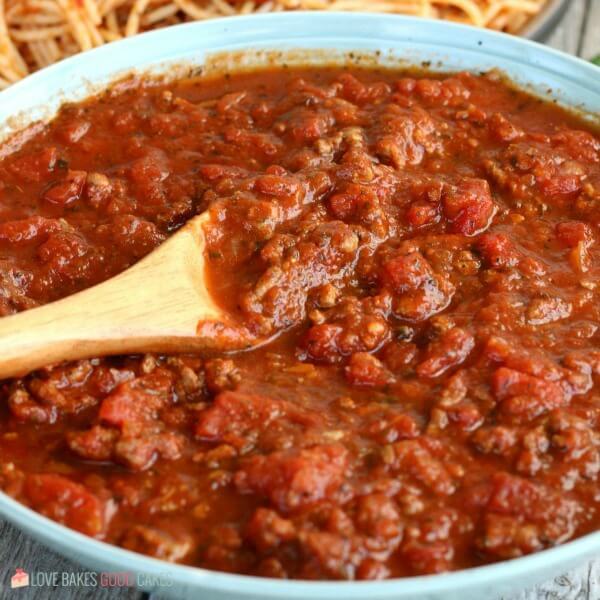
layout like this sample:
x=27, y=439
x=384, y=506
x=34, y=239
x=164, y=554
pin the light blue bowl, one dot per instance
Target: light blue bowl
x=400, y=40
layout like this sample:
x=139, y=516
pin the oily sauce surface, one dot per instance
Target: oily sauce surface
x=425, y=252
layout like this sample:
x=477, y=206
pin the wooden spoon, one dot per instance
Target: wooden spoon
x=161, y=304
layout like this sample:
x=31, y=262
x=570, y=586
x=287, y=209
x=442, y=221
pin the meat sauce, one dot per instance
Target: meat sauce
x=423, y=251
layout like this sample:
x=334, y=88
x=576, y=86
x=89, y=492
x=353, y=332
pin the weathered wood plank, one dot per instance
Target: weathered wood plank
x=567, y=35
x=20, y=551
x=590, y=42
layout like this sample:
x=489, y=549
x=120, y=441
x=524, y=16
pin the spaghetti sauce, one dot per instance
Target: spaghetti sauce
x=423, y=251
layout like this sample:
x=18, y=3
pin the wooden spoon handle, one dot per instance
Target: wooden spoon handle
x=64, y=330
x=154, y=306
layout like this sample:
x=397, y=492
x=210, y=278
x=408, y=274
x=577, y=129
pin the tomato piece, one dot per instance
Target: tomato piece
x=67, y=502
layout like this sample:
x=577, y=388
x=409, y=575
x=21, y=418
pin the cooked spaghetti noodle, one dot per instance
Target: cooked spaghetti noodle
x=36, y=33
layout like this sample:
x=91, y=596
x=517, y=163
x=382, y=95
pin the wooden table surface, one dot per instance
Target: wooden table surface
x=578, y=33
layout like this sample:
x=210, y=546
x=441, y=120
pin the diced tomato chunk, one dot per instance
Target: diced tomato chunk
x=64, y=253
x=378, y=516
x=422, y=213
x=497, y=250
x=71, y=133
x=35, y=167
x=150, y=168
x=407, y=272
x=414, y=458
x=96, y=443
x=560, y=185
x=524, y=517
x=358, y=92
x=512, y=495
x=342, y=205
x=309, y=126
x=276, y=185
x=390, y=426
x=509, y=382
x=526, y=395
x=433, y=296
x=135, y=402
x=321, y=342
x=267, y=529
x=67, y=190
x=214, y=172
x=428, y=557
x=234, y=415
x=28, y=230
x=135, y=235
x=67, y=502
x=468, y=206
x=503, y=129
x=365, y=369
x=295, y=479
x=139, y=449
x=450, y=350
x=570, y=233
x=581, y=145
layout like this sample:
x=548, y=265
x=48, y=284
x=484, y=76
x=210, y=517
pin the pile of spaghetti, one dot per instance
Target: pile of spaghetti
x=36, y=33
